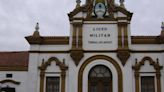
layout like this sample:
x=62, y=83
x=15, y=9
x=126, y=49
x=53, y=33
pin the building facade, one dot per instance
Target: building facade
x=100, y=55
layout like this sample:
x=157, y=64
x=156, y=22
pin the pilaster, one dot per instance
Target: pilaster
x=77, y=43
x=123, y=52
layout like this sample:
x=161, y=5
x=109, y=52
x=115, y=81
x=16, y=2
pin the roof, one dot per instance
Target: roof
x=14, y=61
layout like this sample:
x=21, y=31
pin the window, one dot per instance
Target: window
x=9, y=75
x=100, y=79
x=52, y=84
x=147, y=84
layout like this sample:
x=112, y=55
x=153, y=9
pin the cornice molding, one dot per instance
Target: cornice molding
x=144, y=39
x=147, y=40
x=48, y=40
x=15, y=68
x=101, y=51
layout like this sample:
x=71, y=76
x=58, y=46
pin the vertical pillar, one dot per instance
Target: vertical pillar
x=77, y=36
x=123, y=45
x=80, y=34
x=77, y=49
x=126, y=43
x=74, y=37
x=119, y=37
x=63, y=76
x=42, y=75
x=137, y=83
x=158, y=78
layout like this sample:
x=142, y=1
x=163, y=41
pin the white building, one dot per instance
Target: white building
x=100, y=55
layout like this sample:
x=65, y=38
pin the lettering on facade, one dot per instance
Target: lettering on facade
x=100, y=33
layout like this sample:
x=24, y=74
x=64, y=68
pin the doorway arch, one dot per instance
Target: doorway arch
x=102, y=57
x=100, y=79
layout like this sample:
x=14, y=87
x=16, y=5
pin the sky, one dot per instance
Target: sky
x=19, y=17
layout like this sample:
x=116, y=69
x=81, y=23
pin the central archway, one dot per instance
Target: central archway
x=100, y=79
x=102, y=57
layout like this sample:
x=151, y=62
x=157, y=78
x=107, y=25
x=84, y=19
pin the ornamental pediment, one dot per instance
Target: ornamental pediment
x=101, y=9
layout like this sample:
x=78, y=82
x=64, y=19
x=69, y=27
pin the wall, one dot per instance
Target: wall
x=19, y=76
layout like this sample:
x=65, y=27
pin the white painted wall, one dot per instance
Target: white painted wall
x=72, y=73
x=33, y=73
x=19, y=76
x=144, y=47
x=50, y=47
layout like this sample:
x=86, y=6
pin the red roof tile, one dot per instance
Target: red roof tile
x=14, y=59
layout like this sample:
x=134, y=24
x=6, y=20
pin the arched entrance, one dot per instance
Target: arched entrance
x=101, y=57
x=100, y=79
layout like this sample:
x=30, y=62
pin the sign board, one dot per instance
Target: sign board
x=100, y=36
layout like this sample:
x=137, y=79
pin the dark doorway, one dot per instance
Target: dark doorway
x=100, y=79
x=7, y=89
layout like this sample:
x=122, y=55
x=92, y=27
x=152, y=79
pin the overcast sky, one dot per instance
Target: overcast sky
x=18, y=19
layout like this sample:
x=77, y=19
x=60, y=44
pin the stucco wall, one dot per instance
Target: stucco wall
x=18, y=76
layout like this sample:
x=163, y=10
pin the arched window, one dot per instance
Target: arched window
x=100, y=79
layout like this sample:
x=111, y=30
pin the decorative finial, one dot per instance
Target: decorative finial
x=78, y=3
x=162, y=32
x=162, y=26
x=122, y=3
x=42, y=61
x=37, y=26
x=36, y=33
x=64, y=61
